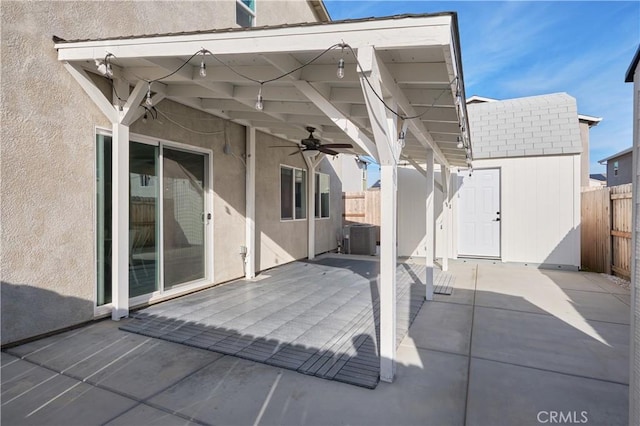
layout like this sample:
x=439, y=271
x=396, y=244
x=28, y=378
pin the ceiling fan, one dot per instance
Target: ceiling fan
x=312, y=144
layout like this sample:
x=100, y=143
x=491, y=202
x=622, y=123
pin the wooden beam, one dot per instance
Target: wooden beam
x=92, y=90
x=384, y=34
x=417, y=128
x=132, y=110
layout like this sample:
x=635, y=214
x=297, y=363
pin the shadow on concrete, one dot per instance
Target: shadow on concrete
x=28, y=311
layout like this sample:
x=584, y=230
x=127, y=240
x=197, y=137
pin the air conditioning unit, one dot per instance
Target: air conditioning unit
x=362, y=239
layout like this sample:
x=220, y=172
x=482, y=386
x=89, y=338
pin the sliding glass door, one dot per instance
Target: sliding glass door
x=184, y=218
x=168, y=217
x=143, y=219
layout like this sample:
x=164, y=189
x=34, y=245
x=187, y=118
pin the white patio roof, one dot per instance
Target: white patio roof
x=415, y=66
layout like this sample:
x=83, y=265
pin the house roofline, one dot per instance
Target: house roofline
x=626, y=151
x=59, y=41
x=632, y=67
x=590, y=120
x=320, y=10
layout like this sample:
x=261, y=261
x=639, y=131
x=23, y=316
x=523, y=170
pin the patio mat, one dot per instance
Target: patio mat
x=319, y=318
x=443, y=283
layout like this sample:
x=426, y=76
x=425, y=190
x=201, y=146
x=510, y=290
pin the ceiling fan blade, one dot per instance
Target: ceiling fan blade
x=338, y=145
x=294, y=153
x=282, y=146
x=327, y=150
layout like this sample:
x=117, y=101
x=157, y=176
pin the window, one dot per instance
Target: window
x=322, y=195
x=293, y=193
x=246, y=13
x=615, y=168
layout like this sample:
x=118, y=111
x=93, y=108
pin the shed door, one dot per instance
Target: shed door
x=479, y=214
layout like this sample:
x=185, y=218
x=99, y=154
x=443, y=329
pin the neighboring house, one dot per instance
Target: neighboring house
x=521, y=201
x=354, y=173
x=137, y=168
x=619, y=167
x=597, y=180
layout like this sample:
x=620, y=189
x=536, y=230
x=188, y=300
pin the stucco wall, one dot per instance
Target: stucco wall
x=281, y=241
x=584, y=156
x=228, y=177
x=47, y=159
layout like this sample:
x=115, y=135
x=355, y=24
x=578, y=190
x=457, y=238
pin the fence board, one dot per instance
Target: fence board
x=595, y=230
x=606, y=230
x=362, y=207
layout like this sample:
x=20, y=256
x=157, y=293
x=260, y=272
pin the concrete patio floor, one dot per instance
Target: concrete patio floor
x=511, y=346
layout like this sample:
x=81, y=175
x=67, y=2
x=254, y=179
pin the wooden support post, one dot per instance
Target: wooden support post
x=430, y=228
x=384, y=127
x=388, y=256
x=250, y=214
x=120, y=218
x=445, y=175
x=311, y=204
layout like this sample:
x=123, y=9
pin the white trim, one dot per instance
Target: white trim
x=382, y=33
x=250, y=203
x=430, y=225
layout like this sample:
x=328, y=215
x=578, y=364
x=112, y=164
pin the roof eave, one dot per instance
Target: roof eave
x=632, y=67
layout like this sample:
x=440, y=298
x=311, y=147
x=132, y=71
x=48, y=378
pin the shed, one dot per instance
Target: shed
x=520, y=202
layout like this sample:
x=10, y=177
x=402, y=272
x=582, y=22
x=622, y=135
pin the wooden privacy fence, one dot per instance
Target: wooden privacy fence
x=606, y=230
x=362, y=207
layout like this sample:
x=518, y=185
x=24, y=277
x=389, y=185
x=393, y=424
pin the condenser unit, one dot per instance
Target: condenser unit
x=362, y=239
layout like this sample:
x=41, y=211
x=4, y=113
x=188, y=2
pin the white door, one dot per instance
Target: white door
x=479, y=213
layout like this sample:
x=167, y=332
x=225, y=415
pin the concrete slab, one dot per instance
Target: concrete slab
x=525, y=396
x=37, y=396
x=429, y=389
x=443, y=326
x=143, y=415
x=624, y=298
x=585, y=348
x=607, y=283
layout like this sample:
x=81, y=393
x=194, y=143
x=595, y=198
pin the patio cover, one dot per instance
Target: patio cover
x=401, y=98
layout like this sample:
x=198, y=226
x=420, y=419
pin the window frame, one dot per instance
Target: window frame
x=319, y=198
x=616, y=168
x=249, y=11
x=293, y=194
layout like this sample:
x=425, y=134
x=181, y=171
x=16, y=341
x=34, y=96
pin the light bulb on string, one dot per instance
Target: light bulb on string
x=203, y=66
x=340, y=72
x=460, y=144
x=144, y=118
x=149, y=101
x=259, y=103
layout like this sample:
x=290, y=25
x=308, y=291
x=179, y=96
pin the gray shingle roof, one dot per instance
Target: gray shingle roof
x=531, y=126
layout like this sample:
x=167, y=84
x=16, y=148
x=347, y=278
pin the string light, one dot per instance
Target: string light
x=144, y=118
x=149, y=101
x=460, y=144
x=401, y=137
x=105, y=68
x=259, y=103
x=203, y=66
x=340, y=72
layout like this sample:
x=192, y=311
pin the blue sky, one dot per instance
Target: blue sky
x=517, y=48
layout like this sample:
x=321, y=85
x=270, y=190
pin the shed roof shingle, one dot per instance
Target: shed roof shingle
x=531, y=126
